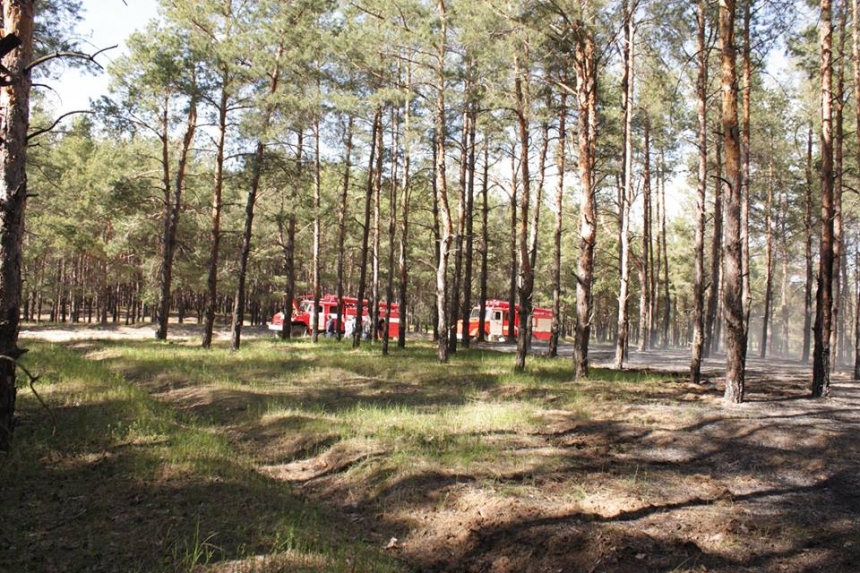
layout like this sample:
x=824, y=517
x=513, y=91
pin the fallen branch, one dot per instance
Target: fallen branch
x=32, y=380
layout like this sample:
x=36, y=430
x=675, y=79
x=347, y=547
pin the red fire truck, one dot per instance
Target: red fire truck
x=497, y=319
x=303, y=308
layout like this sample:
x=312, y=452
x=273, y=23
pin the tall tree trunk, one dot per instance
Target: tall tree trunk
x=745, y=165
x=15, y=102
x=560, y=160
x=172, y=208
x=712, y=339
x=485, y=240
x=512, y=268
x=455, y=310
x=699, y=246
x=446, y=229
x=784, y=293
x=824, y=298
x=365, y=233
x=585, y=65
x=392, y=227
x=238, y=318
x=647, y=267
x=245, y=252
x=807, y=224
x=839, y=101
x=736, y=343
x=526, y=272
x=341, y=225
x=768, y=259
x=287, y=237
x=373, y=310
x=667, y=299
x=215, y=216
x=315, y=254
x=855, y=61
x=469, y=255
x=404, y=212
x=627, y=98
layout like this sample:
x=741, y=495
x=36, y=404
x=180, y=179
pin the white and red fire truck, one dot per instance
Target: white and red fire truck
x=303, y=309
x=497, y=320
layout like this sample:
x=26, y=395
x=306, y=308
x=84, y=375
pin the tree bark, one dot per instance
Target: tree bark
x=18, y=16
x=512, y=263
x=446, y=229
x=485, y=240
x=404, y=212
x=627, y=85
x=745, y=165
x=365, y=233
x=315, y=254
x=807, y=224
x=699, y=246
x=839, y=104
x=768, y=260
x=733, y=188
x=712, y=338
x=392, y=228
x=469, y=261
x=824, y=298
x=647, y=267
x=560, y=161
x=585, y=66
x=341, y=225
x=247, y=232
x=526, y=272
x=172, y=208
x=215, y=208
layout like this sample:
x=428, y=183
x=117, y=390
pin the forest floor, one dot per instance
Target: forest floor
x=595, y=476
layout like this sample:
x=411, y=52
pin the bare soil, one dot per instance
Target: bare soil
x=671, y=480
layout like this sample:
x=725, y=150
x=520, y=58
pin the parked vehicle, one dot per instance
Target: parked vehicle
x=497, y=320
x=303, y=309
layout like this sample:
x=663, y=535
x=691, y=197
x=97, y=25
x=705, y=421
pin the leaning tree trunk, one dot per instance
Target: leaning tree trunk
x=824, y=298
x=15, y=105
x=245, y=252
x=172, y=208
x=736, y=343
x=702, y=185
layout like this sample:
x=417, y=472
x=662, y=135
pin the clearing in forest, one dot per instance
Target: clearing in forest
x=318, y=458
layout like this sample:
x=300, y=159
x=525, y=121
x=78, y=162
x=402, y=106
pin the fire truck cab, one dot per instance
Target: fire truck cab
x=497, y=321
x=303, y=311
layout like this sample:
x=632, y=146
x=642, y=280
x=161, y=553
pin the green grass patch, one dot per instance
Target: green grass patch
x=160, y=455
